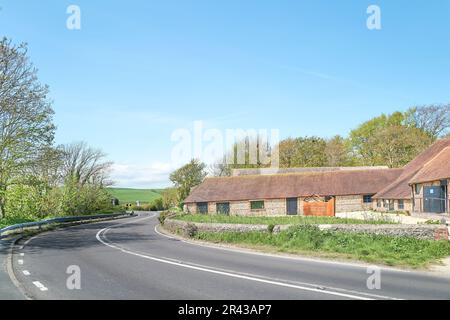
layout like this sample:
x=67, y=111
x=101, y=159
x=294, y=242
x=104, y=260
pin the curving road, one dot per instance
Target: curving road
x=128, y=259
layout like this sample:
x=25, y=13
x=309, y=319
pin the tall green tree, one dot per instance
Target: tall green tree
x=338, y=153
x=188, y=177
x=303, y=152
x=362, y=148
x=26, y=116
x=395, y=146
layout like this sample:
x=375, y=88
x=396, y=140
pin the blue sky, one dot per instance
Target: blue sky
x=138, y=70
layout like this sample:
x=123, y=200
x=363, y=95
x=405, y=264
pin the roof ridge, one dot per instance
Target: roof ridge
x=305, y=173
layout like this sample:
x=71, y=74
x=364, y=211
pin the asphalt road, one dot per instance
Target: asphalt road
x=128, y=259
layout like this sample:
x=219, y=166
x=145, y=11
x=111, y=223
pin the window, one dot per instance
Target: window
x=256, y=205
x=223, y=208
x=391, y=205
x=202, y=207
x=367, y=199
x=378, y=203
x=401, y=204
x=417, y=188
x=385, y=204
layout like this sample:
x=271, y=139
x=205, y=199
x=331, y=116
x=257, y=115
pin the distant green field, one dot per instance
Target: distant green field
x=126, y=195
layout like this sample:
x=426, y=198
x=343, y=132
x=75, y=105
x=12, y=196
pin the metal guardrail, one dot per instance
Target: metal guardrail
x=22, y=226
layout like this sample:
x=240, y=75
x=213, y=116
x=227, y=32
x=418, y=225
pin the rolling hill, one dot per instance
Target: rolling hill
x=127, y=195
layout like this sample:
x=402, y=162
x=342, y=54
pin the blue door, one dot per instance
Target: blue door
x=434, y=201
x=291, y=206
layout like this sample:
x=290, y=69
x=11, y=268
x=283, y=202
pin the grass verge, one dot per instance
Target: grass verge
x=217, y=218
x=309, y=240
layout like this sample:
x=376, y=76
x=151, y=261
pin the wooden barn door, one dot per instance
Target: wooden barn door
x=319, y=208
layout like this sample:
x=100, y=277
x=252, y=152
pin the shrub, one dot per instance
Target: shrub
x=157, y=205
x=270, y=228
x=142, y=207
x=24, y=201
x=308, y=235
x=164, y=215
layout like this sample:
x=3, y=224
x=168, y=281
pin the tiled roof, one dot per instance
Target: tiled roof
x=437, y=168
x=400, y=189
x=278, y=186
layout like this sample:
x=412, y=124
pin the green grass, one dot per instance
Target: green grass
x=393, y=251
x=216, y=218
x=126, y=195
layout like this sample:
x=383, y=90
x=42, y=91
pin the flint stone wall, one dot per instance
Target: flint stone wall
x=424, y=232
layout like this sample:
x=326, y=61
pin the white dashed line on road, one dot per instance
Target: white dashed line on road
x=20, y=261
x=22, y=254
x=26, y=272
x=40, y=286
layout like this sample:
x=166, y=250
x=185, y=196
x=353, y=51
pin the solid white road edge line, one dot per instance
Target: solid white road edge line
x=228, y=274
x=40, y=286
x=376, y=296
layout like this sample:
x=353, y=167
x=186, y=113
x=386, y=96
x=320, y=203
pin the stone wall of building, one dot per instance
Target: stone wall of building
x=239, y=208
x=382, y=205
x=275, y=207
x=300, y=202
x=212, y=207
x=272, y=207
x=190, y=208
x=349, y=203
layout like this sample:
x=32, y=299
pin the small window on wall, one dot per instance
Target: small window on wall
x=223, y=208
x=385, y=204
x=378, y=203
x=391, y=205
x=401, y=204
x=256, y=205
x=417, y=188
x=202, y=207
x=367, y=199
